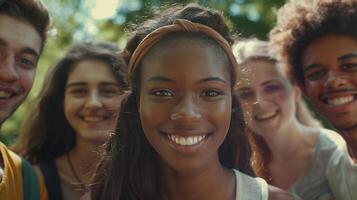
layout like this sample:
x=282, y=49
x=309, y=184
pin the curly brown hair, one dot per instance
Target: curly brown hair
x=300, y=22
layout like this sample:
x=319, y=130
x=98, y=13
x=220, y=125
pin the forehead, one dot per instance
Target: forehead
x=255, y=69
x=328, y=48
x=19, y=34
x=91, y=71
x=184, y=56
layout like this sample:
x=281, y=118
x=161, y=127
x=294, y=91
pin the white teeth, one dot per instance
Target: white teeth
x=266, y=115
x=341, y=100
x=4, y=94
x=186, y=141
x=93, y=119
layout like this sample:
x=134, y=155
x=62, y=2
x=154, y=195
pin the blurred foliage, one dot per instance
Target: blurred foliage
x=73, y=22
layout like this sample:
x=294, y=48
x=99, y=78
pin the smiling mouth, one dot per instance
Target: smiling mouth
x=340, y=100
x=5, y=94
x=266, y=116
x=93, y=118
x=186, y=141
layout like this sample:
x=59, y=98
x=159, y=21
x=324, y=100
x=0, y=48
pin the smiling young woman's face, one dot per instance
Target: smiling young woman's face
x=92, y=100
x=267, y=97
x=185, y=103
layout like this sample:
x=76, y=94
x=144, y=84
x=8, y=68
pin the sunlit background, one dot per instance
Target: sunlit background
x=111, y=20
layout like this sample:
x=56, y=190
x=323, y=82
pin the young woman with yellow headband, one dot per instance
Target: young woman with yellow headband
x=175, y=137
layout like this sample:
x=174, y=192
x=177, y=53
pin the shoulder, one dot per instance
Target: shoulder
x=275, y=193
x=332, y=138
x=10, y=162
x=252, y=187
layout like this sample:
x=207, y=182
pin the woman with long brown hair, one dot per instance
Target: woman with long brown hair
x=74, y=115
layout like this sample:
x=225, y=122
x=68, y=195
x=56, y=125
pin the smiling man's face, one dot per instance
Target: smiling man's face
x=330, y=72
x=20, y=46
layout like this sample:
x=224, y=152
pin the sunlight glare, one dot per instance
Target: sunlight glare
x=104, y=9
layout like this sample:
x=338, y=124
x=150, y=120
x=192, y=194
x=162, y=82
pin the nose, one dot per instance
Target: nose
x=8, y=72
x=93, y=100
x=335, y=81
x=186, y=110
x=259, y=99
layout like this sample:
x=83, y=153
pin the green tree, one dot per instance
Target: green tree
x=73, y=22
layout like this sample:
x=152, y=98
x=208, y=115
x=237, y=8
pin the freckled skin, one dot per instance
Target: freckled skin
x=264, y=90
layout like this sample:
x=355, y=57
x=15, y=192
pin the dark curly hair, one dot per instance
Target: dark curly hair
x=300, y=22
x=130, y=170
x=46, y=133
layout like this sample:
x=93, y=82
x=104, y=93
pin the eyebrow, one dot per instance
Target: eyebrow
x=83, y=84
x=26, y=50
x=212, y=79
x=311, y=66
x=270, y=81
x=160, y=78
x=347, y=56
x=165, y=79
x=242, y=89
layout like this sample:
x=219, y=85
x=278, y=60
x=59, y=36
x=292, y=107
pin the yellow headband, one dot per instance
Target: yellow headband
x=179, y=25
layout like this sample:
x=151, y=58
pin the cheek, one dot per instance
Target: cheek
x=113, y=104
x=150, y=114
x=70, y=107
x=26, y=78
x=221, y=114
x=312, y=89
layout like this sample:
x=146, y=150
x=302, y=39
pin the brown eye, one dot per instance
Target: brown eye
x=315, y=75
x=78, y=92
x=272, y=88
x=26, y=63
x=349, y=66
x=211, y=93
x=245, y=94
x=162, y=93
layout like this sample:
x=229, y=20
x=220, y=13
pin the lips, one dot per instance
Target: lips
x=93, y=118
x=266, y=116
x=338, y=98
x=5, y=94
x=186, y=141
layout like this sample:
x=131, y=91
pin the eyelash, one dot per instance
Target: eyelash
x=349, y=66
x=162, y=93
x=206, y=93
x=244, y=95
x=209, y=92
x=26, y=63
x=315, y=75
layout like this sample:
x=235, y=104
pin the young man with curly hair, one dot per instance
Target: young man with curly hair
x=318, y=41
x=23, y=28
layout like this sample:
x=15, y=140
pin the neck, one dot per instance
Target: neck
x=351, y=140
x=210, y=182
x=85, y=157
x=284, y=144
